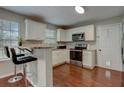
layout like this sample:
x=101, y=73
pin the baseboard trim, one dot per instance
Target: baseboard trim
x=88, y=67
x=10, y=74
x=109, y=69
x=58, y=64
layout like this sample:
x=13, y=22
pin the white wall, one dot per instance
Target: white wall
x=7, y=68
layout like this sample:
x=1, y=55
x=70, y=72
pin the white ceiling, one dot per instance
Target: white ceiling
x=66, y=15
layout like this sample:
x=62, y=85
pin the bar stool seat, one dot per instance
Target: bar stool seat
x=25, y=59
x=20, y=55
x=22, y=60
x=16, y=77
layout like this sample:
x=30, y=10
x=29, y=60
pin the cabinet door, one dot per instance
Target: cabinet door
x=55, y=57
x=60, y=56
x=58, y=35
x=87, y=61
x=61, y=35
x=65, y=55
x=64, y=35
x=68, y=35
x=90, y=33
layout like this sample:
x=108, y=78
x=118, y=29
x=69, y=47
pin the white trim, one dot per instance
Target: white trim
x=5, y=59
x=29, y=80
x=10, y=74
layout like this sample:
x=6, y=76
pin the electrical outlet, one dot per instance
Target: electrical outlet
x=108, y=63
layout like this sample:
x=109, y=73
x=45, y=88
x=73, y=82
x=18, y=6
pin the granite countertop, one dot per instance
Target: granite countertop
x=89, y=50
x=35, y=47
x=55, y=49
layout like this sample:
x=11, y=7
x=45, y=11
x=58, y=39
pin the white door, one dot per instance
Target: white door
x=109, y=46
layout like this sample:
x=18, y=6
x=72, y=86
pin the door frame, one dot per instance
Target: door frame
x=98, y=36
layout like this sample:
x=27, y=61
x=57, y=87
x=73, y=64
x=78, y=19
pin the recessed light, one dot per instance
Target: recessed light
x=79, y=9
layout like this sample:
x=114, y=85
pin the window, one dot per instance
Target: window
x=50, y=36
x=9, y=32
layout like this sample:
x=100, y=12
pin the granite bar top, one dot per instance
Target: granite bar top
x=55, y=49
x=89, y=50
x=35, y=47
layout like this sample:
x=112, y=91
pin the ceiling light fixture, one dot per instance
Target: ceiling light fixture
x=79, y=9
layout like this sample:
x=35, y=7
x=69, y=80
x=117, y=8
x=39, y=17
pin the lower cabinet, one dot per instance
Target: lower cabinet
x=89, y=59
x=60, y=56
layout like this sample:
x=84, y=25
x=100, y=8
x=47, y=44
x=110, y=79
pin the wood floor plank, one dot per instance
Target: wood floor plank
x=72, y=76
x=69, y=75
x=21, y=83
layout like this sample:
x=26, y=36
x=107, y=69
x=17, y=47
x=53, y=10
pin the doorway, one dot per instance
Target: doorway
x=109, y=46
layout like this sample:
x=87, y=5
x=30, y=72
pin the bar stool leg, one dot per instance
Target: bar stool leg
x=15, y=78
x=25, y=75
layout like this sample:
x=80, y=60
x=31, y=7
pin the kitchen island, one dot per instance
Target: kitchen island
x=40, y=72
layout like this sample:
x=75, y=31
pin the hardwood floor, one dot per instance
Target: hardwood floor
x=72, y=76
x=4, y=83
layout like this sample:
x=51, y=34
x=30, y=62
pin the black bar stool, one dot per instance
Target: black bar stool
x=6, y=51
x=22, y=60
x=16, y=77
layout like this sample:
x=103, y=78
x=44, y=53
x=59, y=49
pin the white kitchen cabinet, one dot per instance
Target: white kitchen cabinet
x=89, y=59
x=60, y=56
x=90, y=33
x=77, y=30
x=61, y=35
x=68, y=36
x=64, y=35
x=34, y=30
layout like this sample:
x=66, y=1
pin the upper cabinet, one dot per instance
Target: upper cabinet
x=68, y=36
x=61, y=35
x=88, y=30
x=64, y=35
x=34, y=30
x=90, y=33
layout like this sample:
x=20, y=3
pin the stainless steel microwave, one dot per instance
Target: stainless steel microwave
x=78, y=37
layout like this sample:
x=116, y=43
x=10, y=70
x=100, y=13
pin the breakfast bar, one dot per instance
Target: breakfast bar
x=41, y=71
